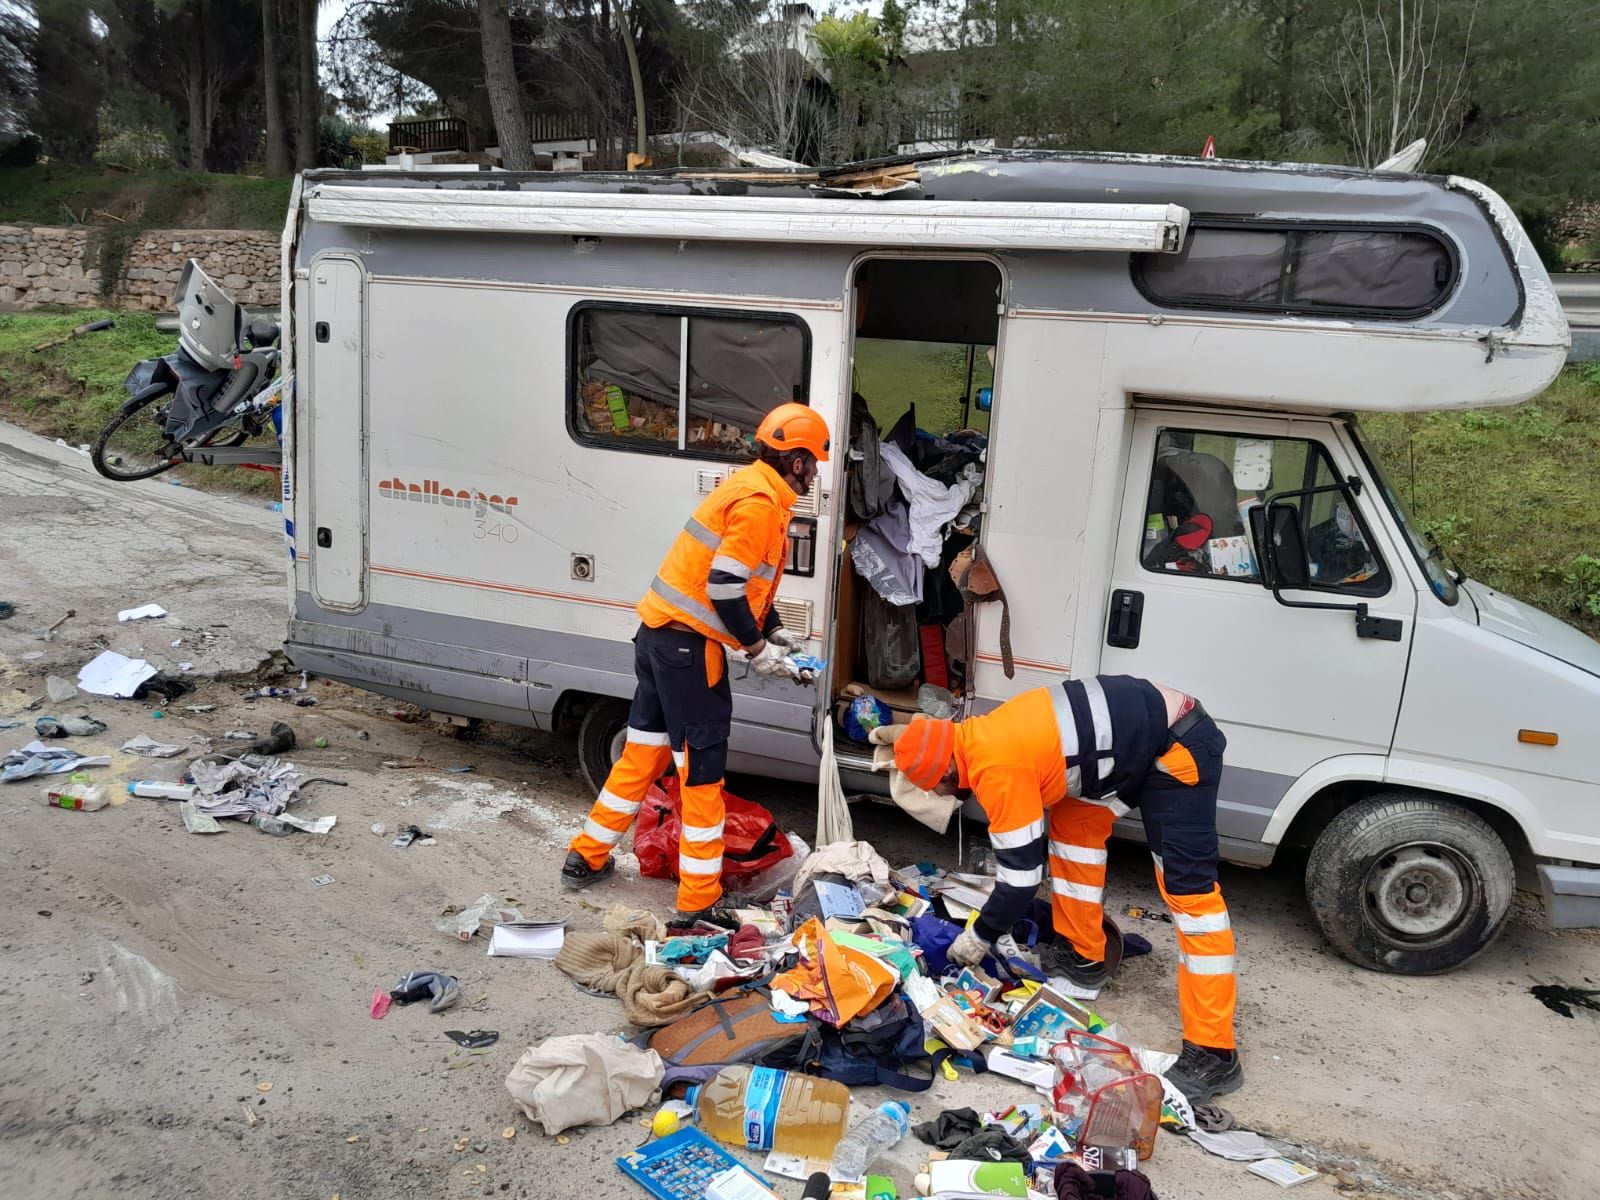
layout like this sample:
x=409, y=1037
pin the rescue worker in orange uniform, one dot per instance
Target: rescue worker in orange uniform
x=1053, y=768
x=713, y=592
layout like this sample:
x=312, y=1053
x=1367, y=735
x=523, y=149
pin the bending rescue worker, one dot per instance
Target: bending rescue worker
x=1053, y=768
x=714, y=590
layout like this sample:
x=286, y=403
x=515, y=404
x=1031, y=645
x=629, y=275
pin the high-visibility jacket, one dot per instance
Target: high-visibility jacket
x=1088, y=739
x=730, y=555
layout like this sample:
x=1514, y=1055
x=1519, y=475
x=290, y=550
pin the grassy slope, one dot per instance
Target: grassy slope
x=59, y=195
x=69, y=391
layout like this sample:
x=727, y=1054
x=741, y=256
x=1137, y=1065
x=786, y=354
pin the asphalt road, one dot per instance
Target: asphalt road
x=156, y=982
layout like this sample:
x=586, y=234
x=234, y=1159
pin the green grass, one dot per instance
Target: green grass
x=930, y=375
x=62, y=195
x=71, y=390
x=1513, y=493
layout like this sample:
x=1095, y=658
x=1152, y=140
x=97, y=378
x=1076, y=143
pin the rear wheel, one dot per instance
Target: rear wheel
x=601, y=735
x=134, y=443
x=1411, y=885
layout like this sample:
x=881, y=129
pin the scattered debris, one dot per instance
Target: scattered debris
x=50, y=633
x=380, y=1003
x=196, y=821
x=200, y=708
x=1559, y=998
x=86, y=977
x=320, y=743
x=322, y=880
x=404, y=764
x=445, y=990
x=58, y=689
x=264, y=1086
x=379, y=828
x=113, y=674
x=477, y=1039
x=309, y=825
x=38, y=759
x=146, y=746
x=241, y=735
x=407, y=835
x=7, y=610
x=60, y=727
x=144, y=612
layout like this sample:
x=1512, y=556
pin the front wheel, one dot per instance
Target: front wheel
x=1409, y=884
x=134, y=443
x=601, y=735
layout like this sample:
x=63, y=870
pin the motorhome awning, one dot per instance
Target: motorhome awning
x=1129, y=228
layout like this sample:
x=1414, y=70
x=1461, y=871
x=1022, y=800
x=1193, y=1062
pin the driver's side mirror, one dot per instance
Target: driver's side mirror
x=1275, y=534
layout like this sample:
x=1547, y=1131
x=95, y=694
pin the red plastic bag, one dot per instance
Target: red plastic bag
x=752, y=841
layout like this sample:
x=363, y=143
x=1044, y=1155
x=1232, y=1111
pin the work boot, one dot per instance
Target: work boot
x=1059, y=958
x=1202, y=1073
x=577, y=873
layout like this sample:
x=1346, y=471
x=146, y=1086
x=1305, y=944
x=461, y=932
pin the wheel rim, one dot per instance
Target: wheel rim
x=139, y=445
x=618, y=741
x=1419, y=895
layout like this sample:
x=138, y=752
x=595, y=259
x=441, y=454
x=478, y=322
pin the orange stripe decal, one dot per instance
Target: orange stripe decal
x=494, y=586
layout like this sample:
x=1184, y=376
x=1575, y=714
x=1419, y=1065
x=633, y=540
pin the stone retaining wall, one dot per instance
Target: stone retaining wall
x=47, y=264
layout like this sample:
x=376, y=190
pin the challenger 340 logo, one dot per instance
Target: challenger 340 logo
x=429, y=491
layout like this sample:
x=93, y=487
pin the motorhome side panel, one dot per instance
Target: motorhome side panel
x=507, y=554
x=1039, y=477
x=333, y=395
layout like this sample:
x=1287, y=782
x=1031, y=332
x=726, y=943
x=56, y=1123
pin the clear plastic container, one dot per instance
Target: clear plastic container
x=1107, y=1100
x=271, y=825
x=870, y=1137
x=767, y=1109
x=158, y=789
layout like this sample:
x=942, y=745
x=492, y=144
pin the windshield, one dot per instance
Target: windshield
x=1439, y=576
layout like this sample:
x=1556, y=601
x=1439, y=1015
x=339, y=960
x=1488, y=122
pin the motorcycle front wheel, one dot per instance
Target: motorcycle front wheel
x=134, y=443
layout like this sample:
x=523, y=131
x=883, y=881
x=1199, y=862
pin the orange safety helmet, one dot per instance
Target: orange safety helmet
x=795, y=427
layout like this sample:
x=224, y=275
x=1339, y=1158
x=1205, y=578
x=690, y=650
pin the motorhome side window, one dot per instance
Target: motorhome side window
x=681, y=379
x=1202, y=487
x=1355, y=271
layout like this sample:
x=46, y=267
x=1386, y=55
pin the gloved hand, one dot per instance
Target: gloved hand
x=771, y=662
x=969, y=949
x=786, y=639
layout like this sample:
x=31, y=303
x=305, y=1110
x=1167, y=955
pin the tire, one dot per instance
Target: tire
x=1409, y=885
x=134, y=429
x=600, y=737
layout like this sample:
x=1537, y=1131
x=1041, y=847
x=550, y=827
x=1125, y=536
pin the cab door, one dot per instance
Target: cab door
x=1289, y=686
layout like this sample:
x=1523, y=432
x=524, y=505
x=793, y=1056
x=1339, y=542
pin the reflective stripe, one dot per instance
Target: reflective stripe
x=766, y=571
x=699, y=866
x=1062, y=707
x=1209, y=923
x=725, y=591
x=1075, y=782
x=730, y=566
x=647, y=737
x=679, y=759
x=703, y=833
x=623, y=808
x=688, y=606
x=1078, y=854
x=606, y=837
x=1018, y=838
x=1117, y=807
x=1101, y=713
x=1160, y=866
x=1077, y=891
x=1207, y=964
x=1031, y=878
x=701, y=534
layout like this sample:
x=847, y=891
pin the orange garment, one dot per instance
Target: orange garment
x=741, y=528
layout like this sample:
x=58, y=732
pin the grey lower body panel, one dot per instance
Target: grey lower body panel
x=1571, y=896
x=509, y=673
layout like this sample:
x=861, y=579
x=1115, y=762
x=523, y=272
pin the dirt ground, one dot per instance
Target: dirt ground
x=187, y=1016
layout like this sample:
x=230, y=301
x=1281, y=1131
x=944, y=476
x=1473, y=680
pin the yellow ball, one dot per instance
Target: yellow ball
x=666, y=1121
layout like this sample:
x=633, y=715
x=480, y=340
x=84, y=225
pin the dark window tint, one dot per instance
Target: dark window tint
x=1390, y=273
x=634, y=389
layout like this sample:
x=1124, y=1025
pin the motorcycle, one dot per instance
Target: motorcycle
x=219, y=389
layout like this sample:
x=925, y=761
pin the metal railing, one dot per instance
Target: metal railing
x=557, y=127
x=1580, y=300
x=430, y=135
x=942, y=125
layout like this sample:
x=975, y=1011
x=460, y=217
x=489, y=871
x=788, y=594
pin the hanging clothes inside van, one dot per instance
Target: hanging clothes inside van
x=933, y=506
x=881, y=554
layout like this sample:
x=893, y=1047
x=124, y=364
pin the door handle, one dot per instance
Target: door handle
x=1127, y=617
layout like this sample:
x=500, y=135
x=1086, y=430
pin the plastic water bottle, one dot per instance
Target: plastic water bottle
x=766, y=1109
x=157, y=789
x=271, y=825
x=870, y=1137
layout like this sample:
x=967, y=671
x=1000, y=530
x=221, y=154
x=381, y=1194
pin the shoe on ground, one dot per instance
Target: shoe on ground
x=719, y=918
x=576, y=873
x=1059, y=958
x=1202, y=1074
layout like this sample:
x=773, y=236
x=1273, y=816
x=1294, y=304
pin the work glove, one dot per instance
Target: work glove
x=969, y=949
x=786, y=639
x=772, y=662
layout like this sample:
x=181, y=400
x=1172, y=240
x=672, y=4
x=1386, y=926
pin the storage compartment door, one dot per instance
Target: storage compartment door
x=333, y=394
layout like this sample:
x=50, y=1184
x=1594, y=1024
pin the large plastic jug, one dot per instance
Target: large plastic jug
x=767, y=1109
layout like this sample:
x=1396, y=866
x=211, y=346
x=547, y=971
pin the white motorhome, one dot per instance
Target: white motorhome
x=513, y=388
